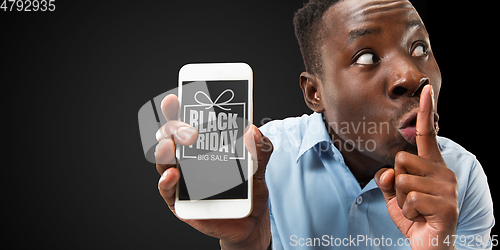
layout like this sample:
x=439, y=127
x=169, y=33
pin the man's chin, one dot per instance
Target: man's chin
x=407, y=147
x=411, y=149
x=390, y=154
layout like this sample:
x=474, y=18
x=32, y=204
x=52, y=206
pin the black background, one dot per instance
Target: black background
x=74, y=175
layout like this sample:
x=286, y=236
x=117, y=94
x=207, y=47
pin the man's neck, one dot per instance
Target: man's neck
x=361, y=166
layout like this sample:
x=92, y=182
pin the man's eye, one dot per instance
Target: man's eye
x=367, y=59
x=419, y=51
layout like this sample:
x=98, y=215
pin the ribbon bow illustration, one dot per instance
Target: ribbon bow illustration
x=214, y=103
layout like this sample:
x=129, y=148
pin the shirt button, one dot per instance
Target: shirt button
x=359, y=200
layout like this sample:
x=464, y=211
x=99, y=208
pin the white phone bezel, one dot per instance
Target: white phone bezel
x=217, y=209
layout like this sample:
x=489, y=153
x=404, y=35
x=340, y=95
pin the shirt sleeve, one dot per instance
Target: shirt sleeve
x=275, y=242
x=476, y=214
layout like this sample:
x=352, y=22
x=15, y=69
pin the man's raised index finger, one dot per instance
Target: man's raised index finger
x=427, y=146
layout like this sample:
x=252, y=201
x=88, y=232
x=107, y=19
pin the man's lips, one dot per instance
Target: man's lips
x=408, y=126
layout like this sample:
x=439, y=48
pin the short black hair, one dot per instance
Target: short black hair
x=307, y=22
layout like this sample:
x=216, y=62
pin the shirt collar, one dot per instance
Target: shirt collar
x=315, y=134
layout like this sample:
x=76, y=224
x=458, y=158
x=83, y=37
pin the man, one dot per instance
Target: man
x=366, y=170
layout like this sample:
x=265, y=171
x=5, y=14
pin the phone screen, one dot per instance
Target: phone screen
x=215, y=167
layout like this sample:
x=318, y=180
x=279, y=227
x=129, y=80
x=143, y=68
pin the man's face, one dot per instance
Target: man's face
x=376, y=59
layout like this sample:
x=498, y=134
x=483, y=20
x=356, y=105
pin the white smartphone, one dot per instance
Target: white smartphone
x=215, y=182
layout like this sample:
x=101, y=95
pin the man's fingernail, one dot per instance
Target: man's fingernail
x=164, y=175
x=382, y=176
x=184, y=133
x=158, y=135
x=432, y=96
x=257, y=137
x=156, y=148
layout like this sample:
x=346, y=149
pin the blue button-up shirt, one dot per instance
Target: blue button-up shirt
x=315, y=201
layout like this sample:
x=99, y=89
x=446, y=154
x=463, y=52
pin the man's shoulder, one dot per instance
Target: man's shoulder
x=288, y=135
x=294, y=126
x=459, y=160
x=474, y=198
x=452, y=150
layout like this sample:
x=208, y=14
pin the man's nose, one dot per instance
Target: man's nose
x=406, y=80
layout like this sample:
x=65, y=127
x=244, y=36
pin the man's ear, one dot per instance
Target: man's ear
x=311, y=89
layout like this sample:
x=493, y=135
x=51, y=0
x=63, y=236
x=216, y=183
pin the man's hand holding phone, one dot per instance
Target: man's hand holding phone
x=252, y=232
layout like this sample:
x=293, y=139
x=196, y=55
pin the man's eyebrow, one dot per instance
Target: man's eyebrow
x=415, y=23
x=358, y=33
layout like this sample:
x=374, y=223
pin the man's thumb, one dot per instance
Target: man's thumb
x=260, y=147
x=385, y=182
